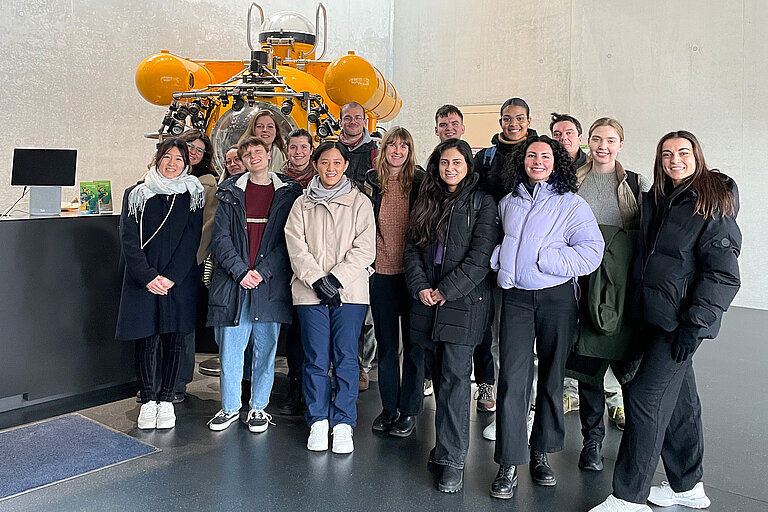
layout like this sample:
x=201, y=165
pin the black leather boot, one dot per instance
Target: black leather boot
x=452, y=480
x=540, y=471
x=504, y=484
x=403, y=427
x=591, y=459
x=293, y=404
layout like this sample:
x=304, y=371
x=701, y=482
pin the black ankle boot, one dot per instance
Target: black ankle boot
x=504, y=484
x=591, y=458
x=452, y=480
x=293, y=404
x=540, y=471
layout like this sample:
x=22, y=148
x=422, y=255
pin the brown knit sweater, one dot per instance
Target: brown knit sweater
x=393, y=223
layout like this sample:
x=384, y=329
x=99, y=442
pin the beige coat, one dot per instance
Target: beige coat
x=209, y=212
x=336, y=238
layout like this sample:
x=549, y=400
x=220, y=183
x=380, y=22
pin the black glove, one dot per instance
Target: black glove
x=684, y=343
x=327, y=290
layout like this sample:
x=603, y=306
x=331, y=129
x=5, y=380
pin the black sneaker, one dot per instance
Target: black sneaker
x=258, y=420
x=222, y=420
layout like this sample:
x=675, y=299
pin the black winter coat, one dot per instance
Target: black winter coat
x=372, y=189
x=686, y=269
x=360, y=160
x=463, y=278
x=490, y=170
x=271, y=299
x=170, y=253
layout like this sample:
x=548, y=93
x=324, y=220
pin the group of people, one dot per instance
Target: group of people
x=568, y=263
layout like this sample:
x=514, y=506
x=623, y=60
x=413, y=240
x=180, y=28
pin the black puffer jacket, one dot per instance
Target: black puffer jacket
x=490, y=169
x=463, y=278
x=372, y=189
x=271, y=299
x=686, y=269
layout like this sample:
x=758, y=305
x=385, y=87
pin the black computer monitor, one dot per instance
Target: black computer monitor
x=44, y=167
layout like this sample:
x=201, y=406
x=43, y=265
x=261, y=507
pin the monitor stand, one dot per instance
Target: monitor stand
x=44, y=200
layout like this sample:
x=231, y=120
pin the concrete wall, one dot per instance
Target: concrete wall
x=67, y=70
x=656, y=66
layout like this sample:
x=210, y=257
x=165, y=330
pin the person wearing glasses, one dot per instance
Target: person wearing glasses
x=362, y=151
x=234, y=165
x=515, y=123
x=264, y=126
x=160, y=227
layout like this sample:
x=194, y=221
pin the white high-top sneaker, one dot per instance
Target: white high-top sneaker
x=664, y=496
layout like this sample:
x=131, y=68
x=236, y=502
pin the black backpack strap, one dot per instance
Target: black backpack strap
x=634, y=184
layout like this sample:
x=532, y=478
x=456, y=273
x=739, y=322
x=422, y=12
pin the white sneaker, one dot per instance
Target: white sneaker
x=489, y=432
x=614, y=504
x=342, y=439
x=664, y=496
x=166, y=418
x=318, y=436
x=148, y=416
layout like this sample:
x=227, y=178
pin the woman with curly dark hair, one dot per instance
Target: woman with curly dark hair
x=453, y=230
x=550, y=238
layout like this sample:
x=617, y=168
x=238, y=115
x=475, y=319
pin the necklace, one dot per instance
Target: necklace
x=141, y=224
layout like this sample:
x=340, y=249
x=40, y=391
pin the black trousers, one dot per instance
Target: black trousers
x=415, y=358
x=547, y=318
x=591, y=411
x=171, y=345
x=453, y=394
x=483, y=359
x=663, y=419
x=391, y=310
x=294, y=350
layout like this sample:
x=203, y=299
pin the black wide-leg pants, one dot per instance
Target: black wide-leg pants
x=547, y=318
x=663, y=414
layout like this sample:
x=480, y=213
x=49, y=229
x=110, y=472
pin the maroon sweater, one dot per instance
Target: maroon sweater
x=258, y=199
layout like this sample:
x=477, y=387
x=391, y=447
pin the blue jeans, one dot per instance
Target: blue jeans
x=329, y=334
x=233, y=342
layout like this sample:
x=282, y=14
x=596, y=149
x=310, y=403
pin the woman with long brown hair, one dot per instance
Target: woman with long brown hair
x=393, y=186
x=264, y=125
x=686, y=275
x=453, y=230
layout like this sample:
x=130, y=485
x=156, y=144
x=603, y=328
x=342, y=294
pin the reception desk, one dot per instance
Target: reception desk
x=60, y=283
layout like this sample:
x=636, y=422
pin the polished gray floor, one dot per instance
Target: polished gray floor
x=235, y=470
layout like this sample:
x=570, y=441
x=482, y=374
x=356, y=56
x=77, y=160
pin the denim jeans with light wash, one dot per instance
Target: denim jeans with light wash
x=233, y=342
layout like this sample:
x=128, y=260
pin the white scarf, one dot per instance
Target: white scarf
x=155, y=183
